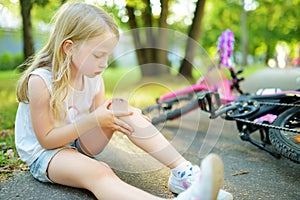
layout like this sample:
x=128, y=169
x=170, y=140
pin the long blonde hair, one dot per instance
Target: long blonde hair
x=77, y=22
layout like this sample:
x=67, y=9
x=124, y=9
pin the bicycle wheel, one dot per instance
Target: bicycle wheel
x=285, y=142
x=171, y=108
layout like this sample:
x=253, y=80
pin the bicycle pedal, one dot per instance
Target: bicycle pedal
x=209, y=101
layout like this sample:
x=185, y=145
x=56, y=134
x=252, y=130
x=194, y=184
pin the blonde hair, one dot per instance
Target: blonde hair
x=73, y=21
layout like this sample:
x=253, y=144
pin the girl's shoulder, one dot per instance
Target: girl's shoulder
x=42, y=71
x=46, y=74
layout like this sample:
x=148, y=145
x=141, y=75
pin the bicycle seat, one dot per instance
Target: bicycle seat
x=278, y=95
x=267, y=91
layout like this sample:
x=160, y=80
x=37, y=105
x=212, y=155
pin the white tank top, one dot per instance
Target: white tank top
x=77, y=105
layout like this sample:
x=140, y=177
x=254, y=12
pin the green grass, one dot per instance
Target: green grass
x=9, y=160
x=249, y=70
x=119, y=82
x=7, y=98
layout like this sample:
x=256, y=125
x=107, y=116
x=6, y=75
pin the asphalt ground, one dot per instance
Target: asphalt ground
x=250, y=173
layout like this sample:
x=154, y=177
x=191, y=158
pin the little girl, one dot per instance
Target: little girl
x=63, y=121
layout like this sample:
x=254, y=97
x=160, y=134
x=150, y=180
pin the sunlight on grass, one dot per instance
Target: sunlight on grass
x=144, y=91
x=9, y=160
x=8, y=103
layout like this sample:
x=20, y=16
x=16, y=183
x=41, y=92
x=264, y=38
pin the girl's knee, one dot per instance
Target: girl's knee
x=119, y=104
x=103, y=170
x=98, y=175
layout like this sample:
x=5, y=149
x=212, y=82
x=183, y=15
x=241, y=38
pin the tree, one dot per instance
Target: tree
x=28, y=47
x=152, y=34
x=274, y=22
x=244, y=35
x=150, y=42
x=194, y=35
x=26, y=7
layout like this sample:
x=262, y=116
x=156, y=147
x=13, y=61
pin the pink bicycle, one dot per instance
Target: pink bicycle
x=273, y=113
x=210, y=91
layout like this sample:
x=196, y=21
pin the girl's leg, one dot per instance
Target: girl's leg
x=147, y=137
x=95, y=140
x=71, y=168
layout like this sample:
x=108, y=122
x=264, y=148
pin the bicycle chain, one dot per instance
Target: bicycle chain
x=269, y=125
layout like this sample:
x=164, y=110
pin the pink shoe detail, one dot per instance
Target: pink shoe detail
x=185, y=185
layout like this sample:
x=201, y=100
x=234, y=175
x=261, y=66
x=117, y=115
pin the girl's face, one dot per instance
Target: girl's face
x=91, y=57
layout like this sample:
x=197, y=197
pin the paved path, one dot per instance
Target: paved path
x=265, y=177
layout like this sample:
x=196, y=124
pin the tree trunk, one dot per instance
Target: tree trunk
x=28, y=46
x=162, y=51
x=148, y=49
x=194, y=34
x=135, y=34
x=244, y=38
x=150, y=39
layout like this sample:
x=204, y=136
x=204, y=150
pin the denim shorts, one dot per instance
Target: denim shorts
x=39, y=167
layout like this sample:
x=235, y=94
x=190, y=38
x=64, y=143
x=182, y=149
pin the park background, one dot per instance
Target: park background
x=267, y=34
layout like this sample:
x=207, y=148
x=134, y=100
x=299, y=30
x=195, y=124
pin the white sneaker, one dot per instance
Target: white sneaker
x=223, y=195
x=177, y=184
x=207, y=185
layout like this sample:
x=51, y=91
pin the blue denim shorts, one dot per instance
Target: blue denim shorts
x=39, y=167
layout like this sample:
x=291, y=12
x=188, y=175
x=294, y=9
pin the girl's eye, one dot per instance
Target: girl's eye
x=97, y=56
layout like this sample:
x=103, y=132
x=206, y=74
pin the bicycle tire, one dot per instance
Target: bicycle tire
x=173, y=114
x=169, y=109
x=284, y=142
x=165, y=104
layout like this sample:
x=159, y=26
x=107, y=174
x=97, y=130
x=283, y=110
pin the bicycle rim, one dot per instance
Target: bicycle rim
x=285, y=142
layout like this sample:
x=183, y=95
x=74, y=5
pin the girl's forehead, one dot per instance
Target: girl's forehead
x=103, y=42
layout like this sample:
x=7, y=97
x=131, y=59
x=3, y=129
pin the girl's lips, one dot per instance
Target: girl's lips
x=97, y=73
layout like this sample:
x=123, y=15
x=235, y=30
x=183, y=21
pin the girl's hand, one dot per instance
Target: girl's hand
x=141, y=113
x=110, y=119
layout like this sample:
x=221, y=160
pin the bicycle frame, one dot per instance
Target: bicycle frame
x=208, y=93
x=222, y=87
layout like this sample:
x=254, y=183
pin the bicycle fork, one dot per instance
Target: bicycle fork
x=264, y=136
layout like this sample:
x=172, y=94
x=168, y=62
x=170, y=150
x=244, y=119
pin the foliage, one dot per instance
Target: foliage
x=10, y=61
x=277, y=22
x=38, y=11
x=269, y=23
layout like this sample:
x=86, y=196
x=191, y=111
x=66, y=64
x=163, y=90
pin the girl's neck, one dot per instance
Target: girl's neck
x=76, y=81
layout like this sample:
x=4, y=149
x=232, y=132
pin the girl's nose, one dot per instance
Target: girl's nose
x=104, y=62
x=103, y=65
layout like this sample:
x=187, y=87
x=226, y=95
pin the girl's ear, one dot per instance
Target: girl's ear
x=67, y=46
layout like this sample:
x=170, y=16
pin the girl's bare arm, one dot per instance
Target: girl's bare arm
x=48, y=134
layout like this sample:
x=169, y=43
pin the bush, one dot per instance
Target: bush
x=9, y=61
